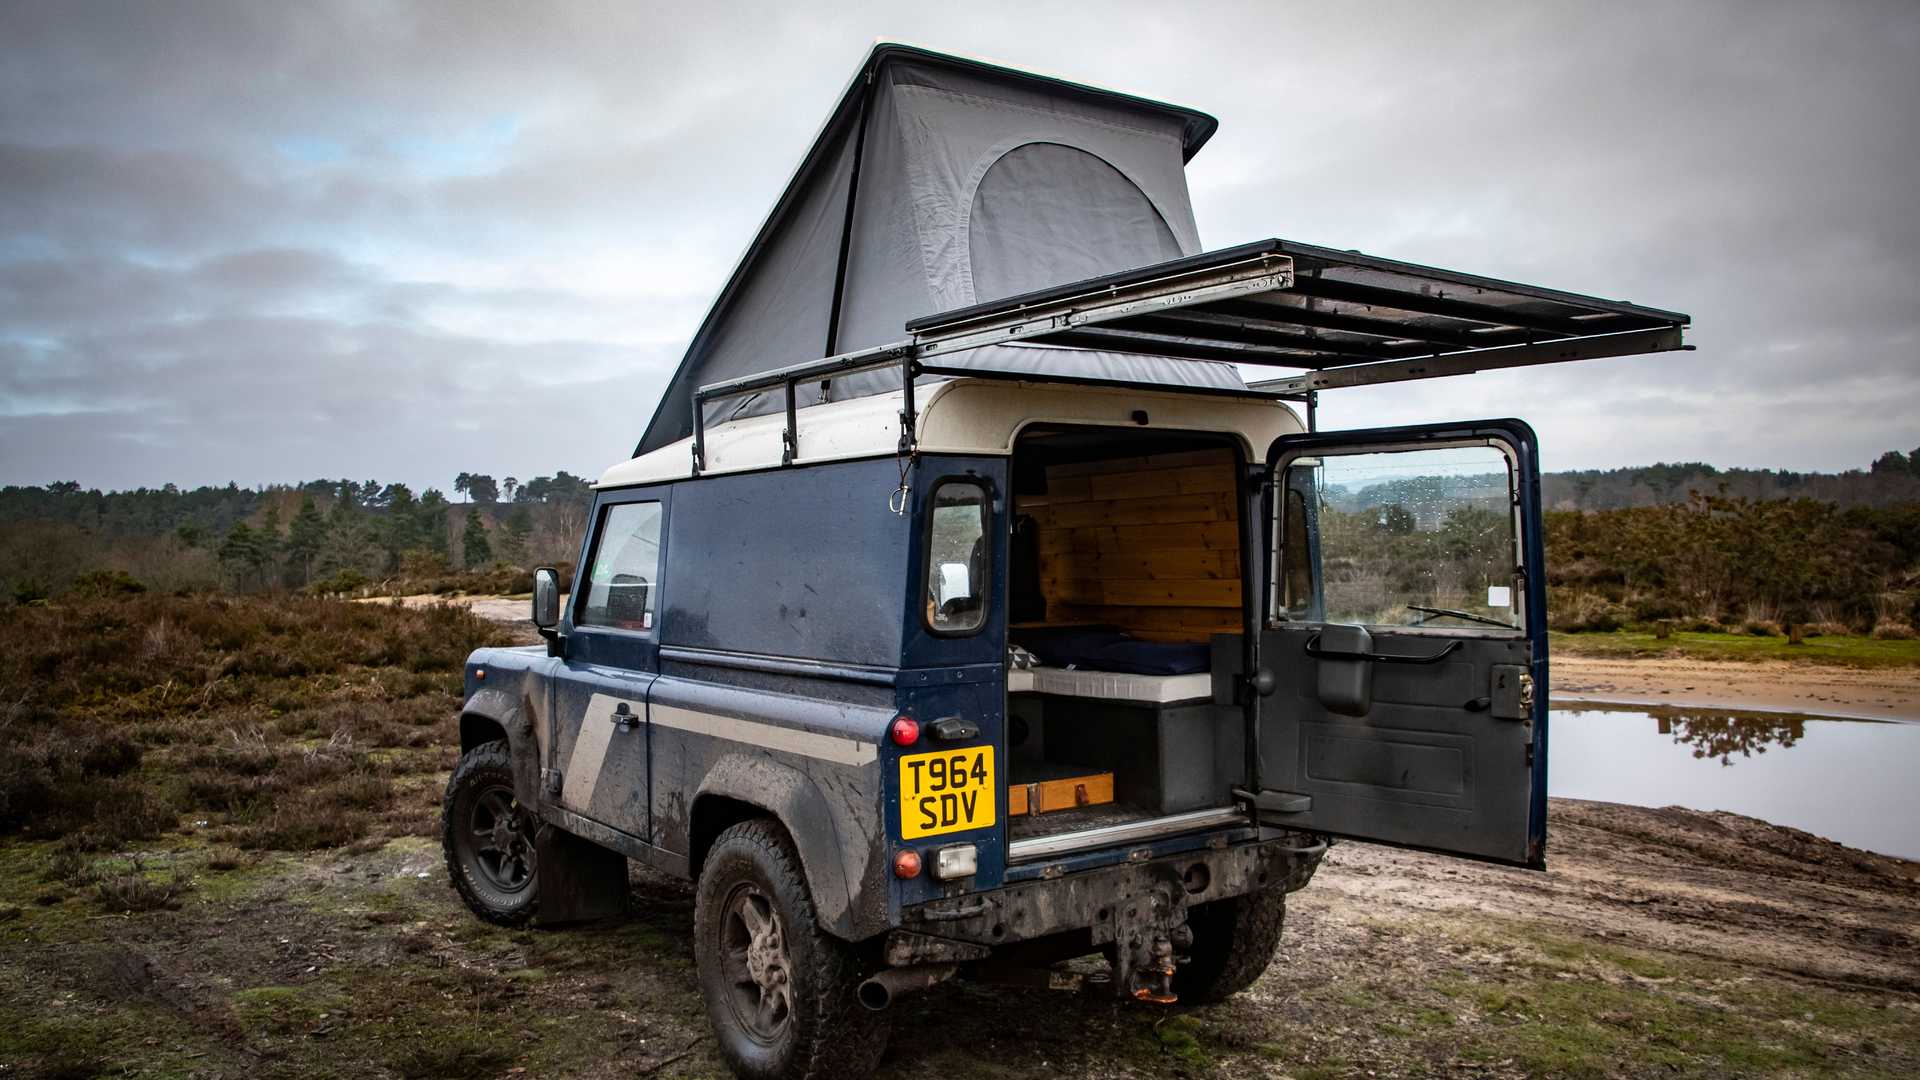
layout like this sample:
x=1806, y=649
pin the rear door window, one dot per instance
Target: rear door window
x=957, y=554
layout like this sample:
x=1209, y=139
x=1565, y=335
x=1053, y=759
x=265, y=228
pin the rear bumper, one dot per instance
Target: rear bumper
x=1116, y=901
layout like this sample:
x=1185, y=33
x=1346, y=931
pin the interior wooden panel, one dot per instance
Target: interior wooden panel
x=1149, y=544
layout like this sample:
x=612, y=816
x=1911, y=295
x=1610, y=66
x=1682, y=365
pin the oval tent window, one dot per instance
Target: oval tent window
x=1046, y=214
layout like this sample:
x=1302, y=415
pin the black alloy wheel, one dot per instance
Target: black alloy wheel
x=489, y=838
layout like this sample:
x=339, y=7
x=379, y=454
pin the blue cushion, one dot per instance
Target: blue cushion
x=1108, y=648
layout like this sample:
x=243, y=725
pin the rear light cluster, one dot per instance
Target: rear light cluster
x=950, y=863
x=905, y=731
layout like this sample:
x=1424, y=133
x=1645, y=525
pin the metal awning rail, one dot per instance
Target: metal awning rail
x=1344, y=318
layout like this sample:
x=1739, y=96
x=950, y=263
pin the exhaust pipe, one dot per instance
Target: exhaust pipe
x=878, y=992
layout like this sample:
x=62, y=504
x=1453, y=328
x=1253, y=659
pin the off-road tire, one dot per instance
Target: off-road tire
x=827, y=1033
x=1233, y=942
x=481, y=773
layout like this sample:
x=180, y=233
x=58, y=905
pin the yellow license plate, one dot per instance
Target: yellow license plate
x=947, y=791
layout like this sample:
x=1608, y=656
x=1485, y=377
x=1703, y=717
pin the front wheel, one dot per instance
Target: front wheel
x=1233, y=942
x=779, y=989
x=488, y=838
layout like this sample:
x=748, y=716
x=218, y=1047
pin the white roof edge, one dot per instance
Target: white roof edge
x=957, y=416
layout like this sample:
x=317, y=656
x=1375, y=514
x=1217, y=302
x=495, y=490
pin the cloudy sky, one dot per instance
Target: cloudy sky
x=267, y=242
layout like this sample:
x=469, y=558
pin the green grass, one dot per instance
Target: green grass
x=1844, y=651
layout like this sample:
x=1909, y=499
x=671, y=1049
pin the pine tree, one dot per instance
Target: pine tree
x=433, y=524
x=241, y=551
x=269, y=543
x=475, y=550
x=306, y=537
x=514, y=535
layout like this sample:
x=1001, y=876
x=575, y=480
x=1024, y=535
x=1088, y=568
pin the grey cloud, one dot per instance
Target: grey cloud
x=373, y=237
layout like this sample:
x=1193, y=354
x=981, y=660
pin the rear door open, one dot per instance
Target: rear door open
x=1404, y=709
x=1405, y=633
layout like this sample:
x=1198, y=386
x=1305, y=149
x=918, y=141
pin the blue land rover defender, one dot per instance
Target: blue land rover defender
x=975, y=642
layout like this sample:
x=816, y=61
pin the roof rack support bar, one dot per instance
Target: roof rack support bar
x=1630, y=343
x=908, y=369
x=790, y=438
x=699, y=433
x=1249, y=276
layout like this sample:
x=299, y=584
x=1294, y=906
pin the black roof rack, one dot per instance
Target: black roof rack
x=1342, y=318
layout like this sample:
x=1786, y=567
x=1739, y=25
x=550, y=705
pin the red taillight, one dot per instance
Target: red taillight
x=906, y=864
x=906, y=732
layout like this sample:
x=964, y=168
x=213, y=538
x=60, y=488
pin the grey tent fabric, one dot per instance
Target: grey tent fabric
x=1046, y=213
x=938, y=183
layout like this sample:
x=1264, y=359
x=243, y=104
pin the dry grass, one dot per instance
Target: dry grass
x=273, y=722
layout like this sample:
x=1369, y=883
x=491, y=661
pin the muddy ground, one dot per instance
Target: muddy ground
x=1737, y=685
x=1660, y=942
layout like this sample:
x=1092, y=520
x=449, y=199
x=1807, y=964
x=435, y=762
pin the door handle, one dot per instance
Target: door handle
x=623, y=717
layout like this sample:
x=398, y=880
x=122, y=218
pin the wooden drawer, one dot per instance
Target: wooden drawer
x=1065, y=793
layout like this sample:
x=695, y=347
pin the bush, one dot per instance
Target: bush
x=1585, y=612
x=96, y=584
x=1894, y=630
x=1761, y=628
x=341, y=583
x=135, y=891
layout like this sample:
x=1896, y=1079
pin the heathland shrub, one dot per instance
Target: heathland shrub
x=1711, y=557
x=280, y=721
x=1584, y=611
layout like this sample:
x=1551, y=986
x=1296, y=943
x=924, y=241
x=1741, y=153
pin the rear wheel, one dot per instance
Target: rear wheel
x=779, y=990
x=1233, y=942
x=488, y=838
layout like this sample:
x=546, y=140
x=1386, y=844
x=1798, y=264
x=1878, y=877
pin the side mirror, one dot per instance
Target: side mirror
x=546, y=598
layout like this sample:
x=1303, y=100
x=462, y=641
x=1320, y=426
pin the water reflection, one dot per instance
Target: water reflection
x=1847, y=780
x=1722, y=735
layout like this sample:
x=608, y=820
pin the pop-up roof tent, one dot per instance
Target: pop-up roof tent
x=954, y=217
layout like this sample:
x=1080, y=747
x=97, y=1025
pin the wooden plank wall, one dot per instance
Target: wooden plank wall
x=1149, y=544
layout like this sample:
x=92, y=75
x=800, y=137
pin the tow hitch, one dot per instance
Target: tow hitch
x=1149, y=932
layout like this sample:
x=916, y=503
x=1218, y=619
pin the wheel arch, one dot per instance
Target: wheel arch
x=494, y=714
x=739, y=788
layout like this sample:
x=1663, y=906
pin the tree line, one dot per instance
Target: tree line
x=326, y=535
x=1892, y=479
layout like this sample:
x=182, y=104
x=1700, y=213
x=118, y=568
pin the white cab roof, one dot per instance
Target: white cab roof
x=958, y=416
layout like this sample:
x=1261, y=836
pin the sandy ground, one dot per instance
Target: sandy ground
x=1659, y=943
x=1876, y=694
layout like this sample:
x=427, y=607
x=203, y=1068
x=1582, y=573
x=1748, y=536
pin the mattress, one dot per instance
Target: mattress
x=1111, y=685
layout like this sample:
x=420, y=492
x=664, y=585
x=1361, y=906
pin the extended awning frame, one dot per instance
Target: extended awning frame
x=1346, y=318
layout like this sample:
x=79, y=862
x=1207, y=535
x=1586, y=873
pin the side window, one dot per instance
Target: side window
x=1421, y=537
x=958, y=574
x=625, y=569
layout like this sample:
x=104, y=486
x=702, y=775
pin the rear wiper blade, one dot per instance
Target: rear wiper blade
x=1468, y=615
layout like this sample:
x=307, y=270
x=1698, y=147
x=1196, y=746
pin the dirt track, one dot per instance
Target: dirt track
x=1660, y=941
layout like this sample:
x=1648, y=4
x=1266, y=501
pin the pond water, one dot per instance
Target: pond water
x=1855, y=781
